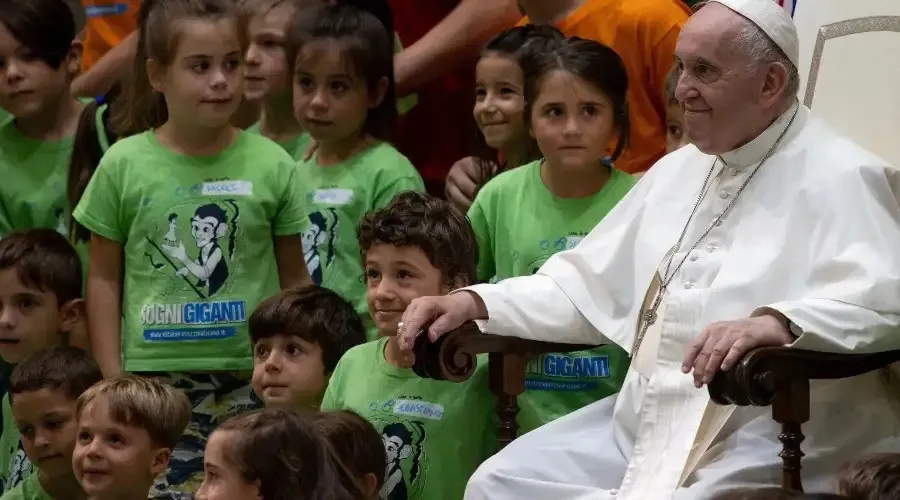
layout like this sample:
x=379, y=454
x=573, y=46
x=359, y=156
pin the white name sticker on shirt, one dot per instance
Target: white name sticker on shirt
x=422, y=409
x=228, y=188
x=333, y=196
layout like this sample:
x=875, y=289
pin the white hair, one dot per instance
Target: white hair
x=762, y=50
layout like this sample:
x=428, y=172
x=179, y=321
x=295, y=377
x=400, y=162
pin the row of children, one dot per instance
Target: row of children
x=173, y=169
x=109, y=439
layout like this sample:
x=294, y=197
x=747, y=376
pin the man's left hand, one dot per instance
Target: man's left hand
x=722, y=345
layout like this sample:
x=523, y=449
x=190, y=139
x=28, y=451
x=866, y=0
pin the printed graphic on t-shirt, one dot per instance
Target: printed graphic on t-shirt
x=194, y=256
x=578, y=371
x=402, y=423
x=319, y=242
x=19, y=468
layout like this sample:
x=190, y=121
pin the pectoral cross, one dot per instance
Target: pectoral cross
x=648, y=319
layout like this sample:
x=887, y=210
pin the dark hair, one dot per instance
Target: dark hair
x=284, y=452
x=820, y=496
x=356, y=442
x=367, y=46
x=431, y=224
x=45, y=27
x=594, y=63
x=43, y=260
x=672, y=84
x=871, y=477
x=159, y=24
x=313, y=313
x=518, y=43
x=65, y=368
x=756, y=493
x=92, y=138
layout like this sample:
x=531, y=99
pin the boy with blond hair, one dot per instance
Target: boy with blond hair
x=127, y=428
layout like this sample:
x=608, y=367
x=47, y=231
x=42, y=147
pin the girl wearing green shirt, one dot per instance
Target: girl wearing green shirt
x=193, y=223
x=574, y=108
x=344, y=97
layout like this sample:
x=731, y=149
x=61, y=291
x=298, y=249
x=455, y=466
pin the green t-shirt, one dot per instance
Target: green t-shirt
x=435, y=433
x=519, y=224
x=295, y=147
x=198, y=240
x=14, y=464
x=337, y=197
x=29, y=489
x=34, y=179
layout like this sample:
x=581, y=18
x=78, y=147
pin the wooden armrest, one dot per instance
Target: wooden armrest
x=779, y=376
x=453, y=358
x=761, y=372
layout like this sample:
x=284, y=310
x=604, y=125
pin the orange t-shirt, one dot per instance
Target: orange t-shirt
x=108, y=22
x=643, y=33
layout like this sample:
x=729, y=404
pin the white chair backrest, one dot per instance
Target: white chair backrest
x=850, y=68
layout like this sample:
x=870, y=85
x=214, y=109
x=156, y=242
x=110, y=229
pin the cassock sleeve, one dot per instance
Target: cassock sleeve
x=852, y=294
x=580, y=296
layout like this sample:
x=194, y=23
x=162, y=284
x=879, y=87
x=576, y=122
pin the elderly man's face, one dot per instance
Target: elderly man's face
x=719, y=93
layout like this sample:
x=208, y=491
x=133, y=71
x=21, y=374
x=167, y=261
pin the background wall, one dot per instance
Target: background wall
x=859, y=75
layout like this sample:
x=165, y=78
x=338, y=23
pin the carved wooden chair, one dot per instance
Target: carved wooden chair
x=453, y=358
x=779, y=377
x=769, y=376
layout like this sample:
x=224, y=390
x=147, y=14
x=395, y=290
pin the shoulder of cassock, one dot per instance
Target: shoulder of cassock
x=839, y=202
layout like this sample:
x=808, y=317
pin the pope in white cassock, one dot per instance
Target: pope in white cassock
x=770, y=229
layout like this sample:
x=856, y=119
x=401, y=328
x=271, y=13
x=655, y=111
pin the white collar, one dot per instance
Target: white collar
x=754, y=151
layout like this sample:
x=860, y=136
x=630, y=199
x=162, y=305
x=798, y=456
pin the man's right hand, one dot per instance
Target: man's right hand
x=438, y=315
x=462, y=183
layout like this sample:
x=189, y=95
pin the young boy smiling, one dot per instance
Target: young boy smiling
x=416, y=246
x=127, y=429
x=43, y=392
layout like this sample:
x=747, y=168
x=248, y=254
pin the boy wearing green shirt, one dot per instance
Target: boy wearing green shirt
x=298, y=336
x=435, y=433
x=40, y=293
x=40, y=58
x=44, y=390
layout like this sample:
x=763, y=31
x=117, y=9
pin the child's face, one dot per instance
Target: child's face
x=331, y=99
x=28, y=85
x=31, y=319
x=572, y=121
x=46, y=421
x=394, y=277
x=112, y=460
x=499, y=101
x=222, y=480
x=675, y=136
x=266, y=68
x=204, y=84
x=288, y=372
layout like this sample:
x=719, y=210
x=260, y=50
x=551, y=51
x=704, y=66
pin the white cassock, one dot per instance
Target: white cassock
x=814, y=235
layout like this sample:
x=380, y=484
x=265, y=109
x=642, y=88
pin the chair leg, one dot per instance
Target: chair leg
x=507, y=381
x=790, y=408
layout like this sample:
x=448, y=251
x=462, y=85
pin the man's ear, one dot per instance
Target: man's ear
x=160, y=461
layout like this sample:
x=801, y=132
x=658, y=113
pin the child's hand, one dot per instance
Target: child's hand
x=462, y=183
